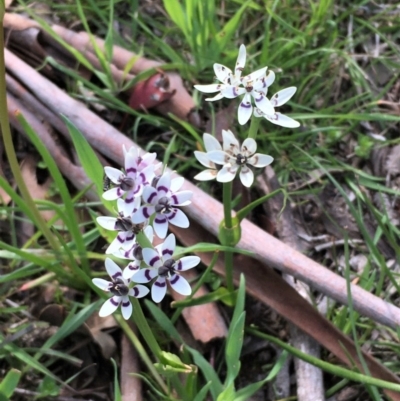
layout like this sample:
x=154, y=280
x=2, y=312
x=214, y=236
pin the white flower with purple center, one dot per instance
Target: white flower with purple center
x=236, y=158
x=229, y=80
x=277, y=100
x=255, y=86
x=134, y=254
x=164, y=268
x=162, y=201
x=123, y=223
x=210, y=143
x=119, y=287
x=139, y=172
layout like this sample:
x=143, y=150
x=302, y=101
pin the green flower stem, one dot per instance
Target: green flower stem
x=254, y=124
x=144, y=328
x=137, y=344
x=227, y=197
x=9, y=147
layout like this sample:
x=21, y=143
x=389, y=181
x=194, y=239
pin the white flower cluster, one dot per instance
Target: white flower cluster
x=231, y=156
x=253, y=86
x=147, y=203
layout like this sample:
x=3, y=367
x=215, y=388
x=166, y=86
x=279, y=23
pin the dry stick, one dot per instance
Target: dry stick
x=208, y=213
x=205, y=209
x=310, y=386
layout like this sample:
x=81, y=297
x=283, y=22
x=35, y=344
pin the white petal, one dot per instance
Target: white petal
x=110, y=306
x=260, y=160
x=143, y=214
x=208, y=88
x=186, y=263
x=222, y=73
x=113, y=269
x=249, y=147
x=113, y=193
x=283, y=120
x=113, y=174
x=178, y=218
x=219, y=96
x=160, y=225
x=149, y=233
x=283, y=96
x=255, y=75
x=206, y=175
x=126, y=308
x=231, y=92
x=180, y=285
x=102, y=284
x=246, y=176
x=226, y=174
x=131, y=269
x=115, y=245
x=181, y=198
x=139, y=291
x=152, y=258
x=245, y=109
x=229, y=140
x=168, y=247
x=159, y=289
x=218, y=156
x=263, y=83
x=106, y=222
x=241, y=61
x=176, y=184
x=211, y=143
x=144, y=275
x=164, y=183
x=203, y=159
x=263, y=103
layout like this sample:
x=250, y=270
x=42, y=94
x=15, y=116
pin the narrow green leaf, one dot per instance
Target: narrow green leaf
x=9, y=383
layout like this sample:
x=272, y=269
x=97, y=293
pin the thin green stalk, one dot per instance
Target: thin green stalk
x=144, y=328
x=253, y=130
x=227, y=198
x=137, y=344
x=228, y=225
x=9, y=147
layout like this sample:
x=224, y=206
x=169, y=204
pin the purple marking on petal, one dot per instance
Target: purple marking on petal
x=167, y=252
x=174, y=279
x=154, y=260
x=116, y=275
x=178, y=266
x=145, y=212
x=235, y=92
x=130, y=237
x=120, y=192
x=147, y=274
x=121, y=238
x=246, y=105
x=152, y=196
x=259, y=99
x=174, y=199
x=142, y=177
x=129, y=199
x=126, y=303
x=135, y=291
x=158, y=284
x=160, y=218
x=132, y=170
x=162, y=188
x=172, y=214
x=114, y=302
